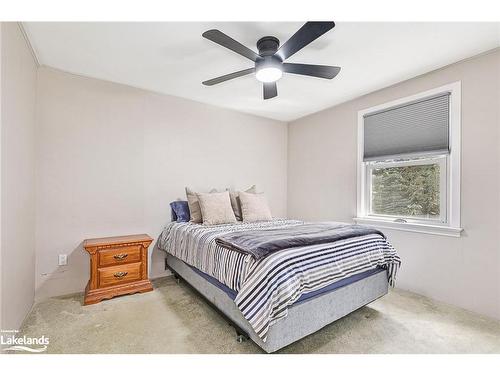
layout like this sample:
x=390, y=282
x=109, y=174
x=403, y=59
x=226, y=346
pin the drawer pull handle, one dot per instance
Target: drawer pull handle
x=119, y=275
x=120, y=256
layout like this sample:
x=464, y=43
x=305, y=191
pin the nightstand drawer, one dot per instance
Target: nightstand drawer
x=119, y=274
x=123, y=254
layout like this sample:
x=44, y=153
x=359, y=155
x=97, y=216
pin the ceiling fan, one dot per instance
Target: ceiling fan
x=269, y=62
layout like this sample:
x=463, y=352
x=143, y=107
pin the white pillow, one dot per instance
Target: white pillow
x=235, y=200
x=254, y=207
x=194, y=205
x=216, y=208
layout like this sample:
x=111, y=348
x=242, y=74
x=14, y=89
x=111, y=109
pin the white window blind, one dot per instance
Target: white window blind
x=417, y=127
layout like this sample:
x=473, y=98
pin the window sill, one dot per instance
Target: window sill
x=410, y=227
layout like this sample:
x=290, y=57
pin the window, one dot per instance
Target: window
x=408, y=168
x=413, y=188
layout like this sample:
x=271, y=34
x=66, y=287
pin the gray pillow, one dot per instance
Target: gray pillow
x=216, y=208
x=194, y=205
x=254, y=207
x=235, y=200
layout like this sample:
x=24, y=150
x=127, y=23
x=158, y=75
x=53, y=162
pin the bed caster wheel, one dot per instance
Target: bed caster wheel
x=177, y=279
x=241, y=338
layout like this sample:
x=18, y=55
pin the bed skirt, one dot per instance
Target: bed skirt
x=303, y=318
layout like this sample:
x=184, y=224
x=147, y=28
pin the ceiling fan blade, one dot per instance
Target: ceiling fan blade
x=270, y=90
x=305, y=35
x=228, y=42
x=320, y=71
x=229, y=76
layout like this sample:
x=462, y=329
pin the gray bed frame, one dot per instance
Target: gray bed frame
x=303, y=318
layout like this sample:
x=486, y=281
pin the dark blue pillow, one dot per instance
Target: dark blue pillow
x=180, y=211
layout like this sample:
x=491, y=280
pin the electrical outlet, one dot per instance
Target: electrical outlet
x=63, y=259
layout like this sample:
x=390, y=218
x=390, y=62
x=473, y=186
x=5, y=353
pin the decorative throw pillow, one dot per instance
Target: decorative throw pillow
x=194, y=205
x=216, y=208
x=235, y=200
x=180, y=211
x=254, y=207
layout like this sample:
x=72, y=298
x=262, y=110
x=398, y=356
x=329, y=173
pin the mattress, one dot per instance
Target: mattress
x=304, y=297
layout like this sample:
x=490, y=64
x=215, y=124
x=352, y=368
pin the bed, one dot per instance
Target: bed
x=282, y=296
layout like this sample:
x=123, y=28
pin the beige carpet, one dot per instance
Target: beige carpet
x=173, y=319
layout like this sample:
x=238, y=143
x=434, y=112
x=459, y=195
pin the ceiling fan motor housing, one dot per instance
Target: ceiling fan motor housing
x=268, y=45
x=268, y=62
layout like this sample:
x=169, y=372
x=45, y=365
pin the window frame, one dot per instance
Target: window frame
x=451, y=225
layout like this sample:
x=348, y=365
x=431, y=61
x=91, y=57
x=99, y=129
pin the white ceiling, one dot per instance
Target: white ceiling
x=173, y=58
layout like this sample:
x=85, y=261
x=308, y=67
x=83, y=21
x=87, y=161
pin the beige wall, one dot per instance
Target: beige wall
x=322, y=185
x=18, y=87
x=111, y=158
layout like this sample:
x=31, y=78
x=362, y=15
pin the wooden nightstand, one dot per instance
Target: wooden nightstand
x=118, y=265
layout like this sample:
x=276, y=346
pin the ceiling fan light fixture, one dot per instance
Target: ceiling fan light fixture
x=268, y=69
x=268, y=74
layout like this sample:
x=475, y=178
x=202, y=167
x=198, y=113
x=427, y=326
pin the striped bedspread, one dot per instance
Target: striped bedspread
x=268, y=286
